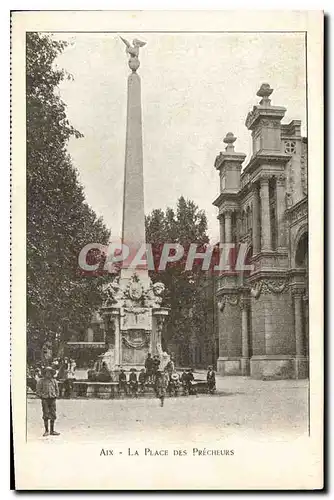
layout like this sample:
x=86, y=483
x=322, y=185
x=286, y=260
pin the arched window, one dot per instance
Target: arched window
x=301, y=257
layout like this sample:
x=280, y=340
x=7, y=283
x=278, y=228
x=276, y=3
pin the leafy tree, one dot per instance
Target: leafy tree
x=186, y=225
x=59, y=221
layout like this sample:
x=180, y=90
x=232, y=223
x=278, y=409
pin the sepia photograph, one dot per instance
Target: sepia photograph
x=167, y=249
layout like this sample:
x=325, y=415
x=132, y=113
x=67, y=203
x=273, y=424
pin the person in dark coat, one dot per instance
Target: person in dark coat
x=31, y=379
x=47, y=391
x=191, y=382
x=156, y=366
x=122, y=382
x=104, y=373
x=211, y=380
x=92, y=373
x=183, y=380
x=149, y=367
x=142, y=380
x=62, y=378
x=133, y=382
x=160, y=385
x=188, y=382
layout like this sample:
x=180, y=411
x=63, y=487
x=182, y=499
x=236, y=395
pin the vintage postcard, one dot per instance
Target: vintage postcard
x=167, y=250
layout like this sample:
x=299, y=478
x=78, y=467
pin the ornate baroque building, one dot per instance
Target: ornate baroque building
x=263, y=312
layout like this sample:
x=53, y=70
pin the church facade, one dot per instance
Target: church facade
x=263, y=312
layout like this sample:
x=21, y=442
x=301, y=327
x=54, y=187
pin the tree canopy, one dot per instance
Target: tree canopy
x=59, y=221
x=184, y=289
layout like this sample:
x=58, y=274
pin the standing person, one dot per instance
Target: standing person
x=191, y=382
x=133, y=382
x=160, y=386
x=184, y=382
x=211, y=380
x=149, y=367
x=31, y=379
x=66, y=383
x=156, y=366
x=61, y=377
x=122, y=384
x=142, y=380
x=47, y=391
x=71, y=376
x=55, y=366
x=170, y=366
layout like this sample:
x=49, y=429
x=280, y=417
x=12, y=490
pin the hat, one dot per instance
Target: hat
x=133, y=370
x=49, y=369
x=210, y=367
x=174, y=376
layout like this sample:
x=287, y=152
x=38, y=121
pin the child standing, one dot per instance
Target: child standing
x=47, y=390
x=160, y=386
x=211, y=380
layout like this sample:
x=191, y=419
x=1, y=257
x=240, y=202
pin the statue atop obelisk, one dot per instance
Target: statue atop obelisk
x=133, y=310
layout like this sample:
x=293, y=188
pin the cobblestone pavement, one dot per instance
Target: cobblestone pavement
x=243, y=407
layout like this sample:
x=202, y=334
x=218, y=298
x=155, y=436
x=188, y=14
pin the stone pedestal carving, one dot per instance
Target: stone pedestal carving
x=138, y=320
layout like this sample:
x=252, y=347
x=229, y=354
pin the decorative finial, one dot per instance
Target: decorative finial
x=229, y=139
x=133, y=51
x=265, y=91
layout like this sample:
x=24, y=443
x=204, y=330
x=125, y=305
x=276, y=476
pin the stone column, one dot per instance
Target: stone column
x=228, y=227
x=280, y=209
x=245, y=336
x=300, y=345
x=301, y=361
x=306, y=306
x=238, y=228
x=90, y=335
x=222, y=228
x=256, y=228
x=265, y=215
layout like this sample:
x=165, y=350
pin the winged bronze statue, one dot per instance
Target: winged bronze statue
x=133, y=51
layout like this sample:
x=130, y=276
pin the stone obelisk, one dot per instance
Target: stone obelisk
x=133, y=230
x=133, y=309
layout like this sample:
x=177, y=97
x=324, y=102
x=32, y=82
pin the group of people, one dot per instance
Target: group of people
x=164, y=381
x=44, y=381
x=63, y=371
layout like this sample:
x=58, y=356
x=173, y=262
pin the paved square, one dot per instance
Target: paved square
x=243, y=407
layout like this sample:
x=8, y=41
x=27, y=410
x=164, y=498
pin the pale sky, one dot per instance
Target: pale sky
x=195, y=89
